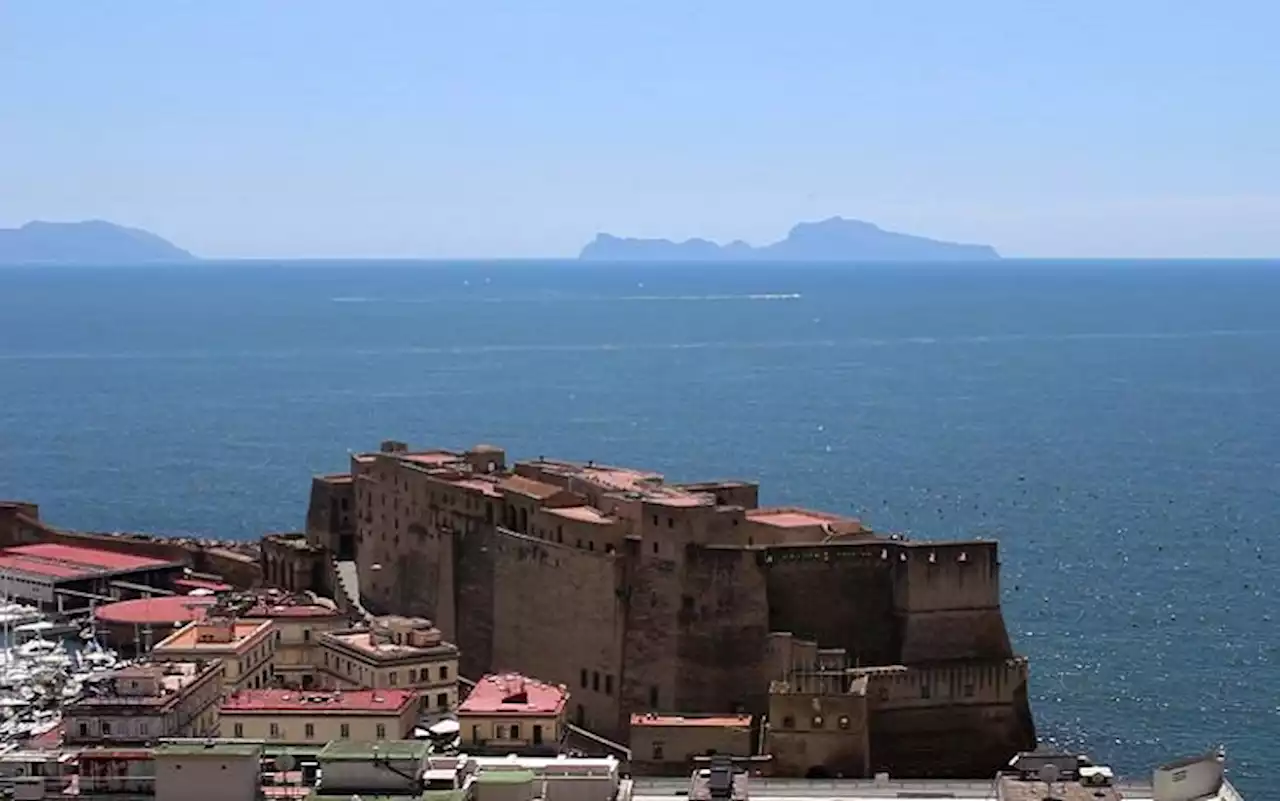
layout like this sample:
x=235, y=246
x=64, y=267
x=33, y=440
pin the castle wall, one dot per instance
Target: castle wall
x=948, y=720
x=723, y=626
x=947, y=596
x=839, y=595
x=559, y=616
x=819, y=735
x=652, y=592
x=475, y=555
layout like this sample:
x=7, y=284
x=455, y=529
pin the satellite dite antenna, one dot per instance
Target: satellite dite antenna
x=1048, y=774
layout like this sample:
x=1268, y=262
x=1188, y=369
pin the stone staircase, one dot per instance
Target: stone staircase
x=348, y=587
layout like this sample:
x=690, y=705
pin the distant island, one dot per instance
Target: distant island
x=836, y=239
x=91, y=242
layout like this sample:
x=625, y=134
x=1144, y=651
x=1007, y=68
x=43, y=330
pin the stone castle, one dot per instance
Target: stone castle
x=642, y=596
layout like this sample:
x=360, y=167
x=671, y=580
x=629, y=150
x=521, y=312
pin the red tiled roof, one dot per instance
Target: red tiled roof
x=167, y=609
x=71, y=561
x=513, y=694
x=719, y=721
x=354, y=701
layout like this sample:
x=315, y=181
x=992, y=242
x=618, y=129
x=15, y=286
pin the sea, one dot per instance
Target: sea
x=1115, y=425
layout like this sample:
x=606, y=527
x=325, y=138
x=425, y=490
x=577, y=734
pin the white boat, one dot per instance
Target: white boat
x=36, y=646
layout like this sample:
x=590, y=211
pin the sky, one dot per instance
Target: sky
x=1089, y=128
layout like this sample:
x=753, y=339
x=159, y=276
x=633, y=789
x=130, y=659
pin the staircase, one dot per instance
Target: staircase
x=348, y=587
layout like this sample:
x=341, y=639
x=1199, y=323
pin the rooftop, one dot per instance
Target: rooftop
x=339, y=701
x=513, y=694
x=165, y=609
x=153, y=684
x=1012, y=788
x=715, y=721
x=271, y=610
x=189, y=748
x=529, y=487
x=584, y=514
x=797, y=518
x=188, y=637
x=484, y=486
x=430, y=458
x=362, y=751
x=53, y=560
x=373, y=643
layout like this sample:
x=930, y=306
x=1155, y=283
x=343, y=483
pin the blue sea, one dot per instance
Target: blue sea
x=1114, y=424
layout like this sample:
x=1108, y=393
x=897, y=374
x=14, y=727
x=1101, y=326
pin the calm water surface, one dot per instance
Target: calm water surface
x=1114, y=425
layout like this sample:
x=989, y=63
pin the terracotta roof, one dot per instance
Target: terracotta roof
x=513, y=694
x=166, y=609
x=528, y=487
x=355, y=701
x=56, y=561
x=585, y=514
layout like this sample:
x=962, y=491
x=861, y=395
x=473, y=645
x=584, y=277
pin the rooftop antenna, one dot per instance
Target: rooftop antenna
x=1048, y=774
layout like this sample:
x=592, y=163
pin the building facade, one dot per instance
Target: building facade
x=319, y=717
x=509, y=713
x=646, y=596
x=246, y=649
x=666, y=745
x=393, y=653
x=142, y=703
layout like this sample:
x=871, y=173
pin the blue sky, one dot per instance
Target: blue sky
x=1082, y=128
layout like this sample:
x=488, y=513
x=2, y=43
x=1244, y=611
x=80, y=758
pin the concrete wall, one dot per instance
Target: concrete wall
x=668, y=750
x=819, y=735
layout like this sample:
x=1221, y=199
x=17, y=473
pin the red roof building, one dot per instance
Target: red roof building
x=293, y=716
x=66, y=577
x=509, y=713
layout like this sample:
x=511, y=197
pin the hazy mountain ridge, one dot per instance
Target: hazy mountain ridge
x=834, y=239
x=89, y=242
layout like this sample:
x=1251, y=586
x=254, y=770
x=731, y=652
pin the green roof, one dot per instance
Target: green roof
x=215, y=748
x=505, y=777
x=363, y=797
x=364, y=750
x=442, y=795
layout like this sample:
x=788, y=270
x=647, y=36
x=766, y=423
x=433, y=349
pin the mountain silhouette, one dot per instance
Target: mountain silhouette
x=834, y=239
x=90, y=242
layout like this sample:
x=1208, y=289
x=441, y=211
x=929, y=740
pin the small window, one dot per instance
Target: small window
x=788, y=722
x=442, y=701
x=657, y=752
x=84, y=729
x=583, y=678
x=537, y=734
x=817, y=721
x=608, y=684
x=344, y=731
x=106, y=727
x=925, y=691
x=653, y=697
x=968, y=691
x=275, y=729
x=671, y=522
x=381, y=731
x=306, y=635
x=239, y=730
x=310, y=730
x=515, y=731
x=393, y=678
x=655, y=546
x=595, y=681
x=844, y=721
x=444, y=672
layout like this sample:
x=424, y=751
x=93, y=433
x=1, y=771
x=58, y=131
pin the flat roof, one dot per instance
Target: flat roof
x=489, y=488
x=432, y=458
x=361, y=641
x=716, y=721
x=171, y=679
x=393, y=749
x=336, y=702
x=292, y=611
x=796, y=518
x=209, y=748
x=57, y=561
x=513, y=694
x=165, y=609
x=186, y=637
x=585, y=514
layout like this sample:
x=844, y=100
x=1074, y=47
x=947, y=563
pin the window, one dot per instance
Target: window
x=444, y=672
x=515, y=731
x=655, y=546
x=788, y=722
x=344, y=731
x=393, y=678
x=925, y=691
x=595, y=681
x=310, y=730
x=817, y=721
x=657, y=752
x=475, y=734
x=381, y=731
x=306, y=635
x=442, y=701
x=844, y=721
x=968, y=691
x=275, y=729
x=583, y=678
x=653, y=697
x=671, y=522
x=84, y=729
x=277, y=636
x=106, y=728
x=239, y=729
x=655, y=520
x=537, y=734
x=608, y=684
